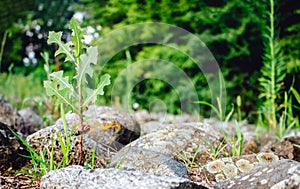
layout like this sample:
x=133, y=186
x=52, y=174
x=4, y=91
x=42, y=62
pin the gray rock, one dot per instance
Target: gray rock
x=292, y=182
x=10, y=116
x=180, y=141
x=148, y=161
x=151, y=126
x=25, y=121
x=170, y=118
x=269, y=175
x=10, y=149
x=42, y=140
x=143, y=116
x=32, y=120
x=180, y=118
x=107, y=126
x=78, y=177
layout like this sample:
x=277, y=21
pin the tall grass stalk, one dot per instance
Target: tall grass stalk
x=273, y=73
x=218, y=110
x=286, y=120
x=6, y=33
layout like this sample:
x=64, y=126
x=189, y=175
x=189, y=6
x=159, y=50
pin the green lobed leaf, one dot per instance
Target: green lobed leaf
x=63, y=82
x=77, y=36
x=64, y=48
x=92, y=94
x=62, y=95
x=85, y=64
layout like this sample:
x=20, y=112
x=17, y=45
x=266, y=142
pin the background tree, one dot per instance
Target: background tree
x=231, y=30
x=11, y=12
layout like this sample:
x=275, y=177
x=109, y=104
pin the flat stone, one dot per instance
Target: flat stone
x=264, y=176
x=10, y=149
x=148, y=161
x=181, y=140
x=79, y=177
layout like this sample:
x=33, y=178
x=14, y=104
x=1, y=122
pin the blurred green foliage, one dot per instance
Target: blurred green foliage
x=233, y=31
x=17, y=89
x=28, y=24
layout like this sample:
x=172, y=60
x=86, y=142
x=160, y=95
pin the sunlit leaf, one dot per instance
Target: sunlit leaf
x=64, y=48
x=77, y=36
x=62, y=95
x=92, y=94
x=85, y=64
x=63, y=82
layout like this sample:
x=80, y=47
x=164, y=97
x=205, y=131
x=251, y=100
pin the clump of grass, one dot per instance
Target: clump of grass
x=190, y=162
x=43, y=161
x=218, y=110
x=235, y=142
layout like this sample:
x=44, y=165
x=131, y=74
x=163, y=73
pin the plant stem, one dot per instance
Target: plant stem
x=2, y=46
x=273, y=71
x=128, y=80
x=80, y=109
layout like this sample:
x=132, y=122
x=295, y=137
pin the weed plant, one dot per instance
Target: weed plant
x=273, y=73
x=43, y=161
x=76, y=95
x=276, y=110
x=79, y=94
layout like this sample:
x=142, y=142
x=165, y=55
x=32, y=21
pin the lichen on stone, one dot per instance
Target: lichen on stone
x=220, y=177
x=244, y=165
x=230, y=170
x=215, y=166
x=266, y=157
x=227, y=160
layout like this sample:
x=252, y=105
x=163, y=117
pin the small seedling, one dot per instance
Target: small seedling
x=237, y=142
x=190, y=162
x=239, y=105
